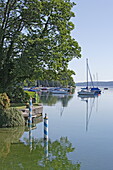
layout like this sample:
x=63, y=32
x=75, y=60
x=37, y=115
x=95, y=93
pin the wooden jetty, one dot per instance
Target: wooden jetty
x=37, y=112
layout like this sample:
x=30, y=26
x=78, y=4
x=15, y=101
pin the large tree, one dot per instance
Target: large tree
x=35, y=36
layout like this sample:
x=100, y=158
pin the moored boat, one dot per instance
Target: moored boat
x=92, y=90
x=86, y=92
x=105, y=88
x=96, y=90
x=59, y=91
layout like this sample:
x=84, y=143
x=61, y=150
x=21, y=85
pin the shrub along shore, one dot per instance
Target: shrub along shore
x=10, y=113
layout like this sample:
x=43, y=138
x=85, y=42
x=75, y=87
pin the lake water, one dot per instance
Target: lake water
x=80, y=136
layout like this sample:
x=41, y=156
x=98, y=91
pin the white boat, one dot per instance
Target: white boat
x=86, y=92
x=59, y=91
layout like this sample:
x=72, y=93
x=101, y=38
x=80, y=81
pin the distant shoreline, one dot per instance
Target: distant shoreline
x=95, y=83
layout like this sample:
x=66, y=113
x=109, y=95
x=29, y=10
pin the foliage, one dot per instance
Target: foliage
x=34, y=96
x=58, y=154
x=11, y=117
x=4, y=101
x=31, y=93
x=62, y=78
x=17, y=94
x=65, y=77
x=7, y=137
x=35, y=36
x=17, y=154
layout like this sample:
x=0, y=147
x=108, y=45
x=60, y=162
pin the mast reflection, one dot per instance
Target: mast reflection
x=90, y=101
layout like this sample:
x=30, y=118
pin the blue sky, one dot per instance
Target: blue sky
x=94, y=33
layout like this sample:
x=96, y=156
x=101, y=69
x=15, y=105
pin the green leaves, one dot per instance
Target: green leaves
x=35, y=36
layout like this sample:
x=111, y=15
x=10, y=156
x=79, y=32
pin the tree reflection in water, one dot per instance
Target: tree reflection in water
x=51, y=99
x=15, y=154
x=7, y=137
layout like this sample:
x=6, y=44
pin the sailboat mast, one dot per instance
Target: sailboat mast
x=87, y=72
x=97, y=78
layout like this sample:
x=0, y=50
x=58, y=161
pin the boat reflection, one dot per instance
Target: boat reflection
x=90, y=101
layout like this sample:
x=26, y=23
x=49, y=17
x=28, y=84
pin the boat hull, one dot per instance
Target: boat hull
x=59, y=92
x=86, y=92
x=96, y=90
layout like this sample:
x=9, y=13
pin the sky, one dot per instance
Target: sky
x=94, y=32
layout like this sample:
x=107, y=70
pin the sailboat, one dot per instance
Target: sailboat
x=96, y=89
x=87, y=91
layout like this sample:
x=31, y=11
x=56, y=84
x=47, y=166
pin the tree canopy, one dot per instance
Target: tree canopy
x=35, y=38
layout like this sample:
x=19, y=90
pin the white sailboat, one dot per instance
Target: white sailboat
x=86, y=91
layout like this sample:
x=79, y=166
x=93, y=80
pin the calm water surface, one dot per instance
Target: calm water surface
x=80, y=132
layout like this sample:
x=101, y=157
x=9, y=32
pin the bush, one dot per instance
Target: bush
x=4, y=101
x=17, y=95
x=11, y=117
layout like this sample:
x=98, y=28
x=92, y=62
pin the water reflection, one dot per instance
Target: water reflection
x=90, y=101
x=51, y=99
x=9, y=136
x=15, y=154
x=46, y=148
x=30, y=139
